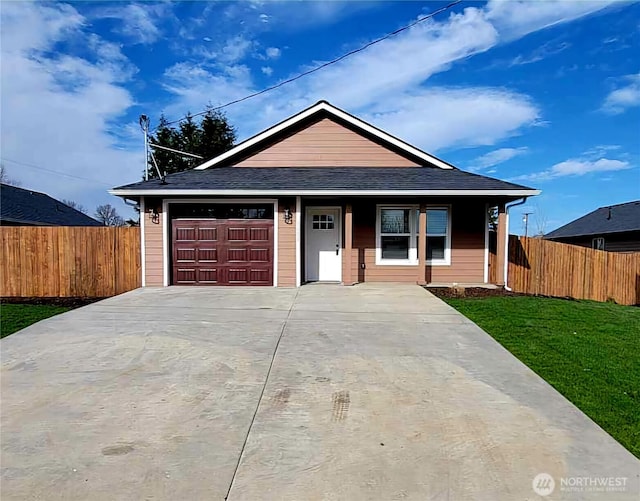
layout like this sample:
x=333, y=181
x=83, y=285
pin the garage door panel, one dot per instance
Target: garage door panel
x=185, y=275
x=187, y=234
x=235, y=255
x=260, y=276
x=207, y=255
x=208, y=276
x=208, y=233
x=222, y=252
x=259, y=234
x=261, y=255
x=237, y=234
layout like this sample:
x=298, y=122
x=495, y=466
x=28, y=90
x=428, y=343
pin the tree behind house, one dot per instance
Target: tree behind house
x=210, y=137
x=108, y=216
x=75, y=205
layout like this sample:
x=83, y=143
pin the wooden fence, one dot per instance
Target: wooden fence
x=64, y=261
x=547, y=268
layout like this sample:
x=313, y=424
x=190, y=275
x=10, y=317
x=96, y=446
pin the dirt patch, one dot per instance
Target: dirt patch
x=449, y=292
x=70, y=302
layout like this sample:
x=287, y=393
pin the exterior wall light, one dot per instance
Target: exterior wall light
x=288, y=216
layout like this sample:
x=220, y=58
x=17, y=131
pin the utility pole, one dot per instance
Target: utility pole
x=525, y=220
x=144, y=125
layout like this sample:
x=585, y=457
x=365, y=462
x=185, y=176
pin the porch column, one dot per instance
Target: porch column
x=347, y=279
x=422, y=245
x=501, y=236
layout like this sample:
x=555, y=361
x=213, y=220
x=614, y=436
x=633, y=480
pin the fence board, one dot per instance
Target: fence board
x=59, y=261
x=543, y=267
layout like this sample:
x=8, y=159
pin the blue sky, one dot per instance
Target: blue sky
x=545, y=93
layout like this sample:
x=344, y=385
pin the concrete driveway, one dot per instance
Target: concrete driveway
x=326, y=392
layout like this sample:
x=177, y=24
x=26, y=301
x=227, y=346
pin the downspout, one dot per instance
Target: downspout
x=506, y=242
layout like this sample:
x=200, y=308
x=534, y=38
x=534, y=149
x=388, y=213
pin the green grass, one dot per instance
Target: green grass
x=588, y=351
x=14, y=317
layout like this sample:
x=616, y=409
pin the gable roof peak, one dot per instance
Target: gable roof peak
x=334, y=112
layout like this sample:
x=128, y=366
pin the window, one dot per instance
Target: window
x=438, y=248
x=322, y=222
x=438, y=238
x=396, y=236
x=597, y=243
x=221, y=211
x=397, y=233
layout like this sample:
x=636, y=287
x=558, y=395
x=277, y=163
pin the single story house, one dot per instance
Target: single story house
x=320, y=196
x=613, y=228
x=21, y=207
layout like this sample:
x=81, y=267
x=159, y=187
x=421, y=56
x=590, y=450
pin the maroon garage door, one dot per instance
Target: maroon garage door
x=222, y=251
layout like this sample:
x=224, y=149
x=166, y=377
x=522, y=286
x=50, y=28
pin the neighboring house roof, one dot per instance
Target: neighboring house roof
x=325, y=181
x=323, y=108
x=609, y=219
x=20, y=206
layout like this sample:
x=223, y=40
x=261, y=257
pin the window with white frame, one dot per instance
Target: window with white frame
x=396, y=235
x=597, y=243
x=438, y=236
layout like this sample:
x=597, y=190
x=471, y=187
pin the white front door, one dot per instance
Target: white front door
x=323, y=247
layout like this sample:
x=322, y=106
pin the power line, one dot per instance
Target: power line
x=56, y=172
x=324, y=65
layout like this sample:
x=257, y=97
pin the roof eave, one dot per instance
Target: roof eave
x=290, y=192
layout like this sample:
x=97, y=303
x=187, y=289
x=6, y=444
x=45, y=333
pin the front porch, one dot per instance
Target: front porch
x=379, y=240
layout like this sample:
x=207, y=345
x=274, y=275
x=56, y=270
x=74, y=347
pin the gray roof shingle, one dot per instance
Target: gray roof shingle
x=326, y=178
x=613, y=219
x=20, y=206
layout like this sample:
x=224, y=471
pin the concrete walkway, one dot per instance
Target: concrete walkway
x=326, y=392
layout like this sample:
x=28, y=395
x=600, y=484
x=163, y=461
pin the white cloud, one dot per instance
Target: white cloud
x=389, y=82
x=516, y=18
x=623, y=98
x=58, y=111
x=540, y=53
x=576, y=167
x=138, y=22
x=496, y=157
x=440, y=118
x=267, y=70
x=272, y=52
x=230, y=51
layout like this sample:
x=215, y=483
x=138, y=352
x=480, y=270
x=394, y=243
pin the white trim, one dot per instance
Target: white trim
x=298, y=241
x=308, y=226
x=413, y=249
x=165, y=228
x=486, y=243
x=165, y=244
x=506, y=247
x=447, y=241
x=276, y=221
x=332, y=110
x=143, y=257
x=269, y=193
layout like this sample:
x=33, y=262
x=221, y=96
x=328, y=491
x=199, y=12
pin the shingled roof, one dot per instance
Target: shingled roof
x=325, y=180
x=26, y=207
x=609, y=219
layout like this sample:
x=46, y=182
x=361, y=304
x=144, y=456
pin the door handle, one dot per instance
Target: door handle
x=337, y=249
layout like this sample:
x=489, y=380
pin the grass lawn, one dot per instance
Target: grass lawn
x=14, y=317
x=588, y=351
